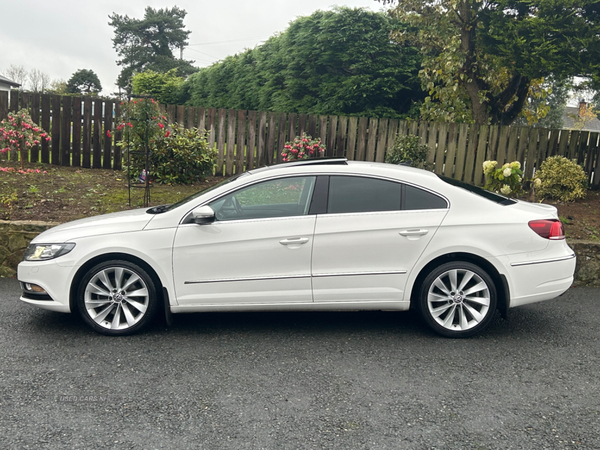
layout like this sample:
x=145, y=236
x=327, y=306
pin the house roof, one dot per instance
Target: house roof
x=5, y=80
x=571, y=112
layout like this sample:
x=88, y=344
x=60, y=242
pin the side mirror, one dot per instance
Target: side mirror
x=203, y=215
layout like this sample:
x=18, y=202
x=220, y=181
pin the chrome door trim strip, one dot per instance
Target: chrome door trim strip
x=228, y=280
x=542, y=261
x=352, y=274
x=289, y=277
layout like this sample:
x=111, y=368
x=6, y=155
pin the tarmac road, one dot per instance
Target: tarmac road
x=375, y=380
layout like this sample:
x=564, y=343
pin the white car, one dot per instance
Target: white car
x=322, y=234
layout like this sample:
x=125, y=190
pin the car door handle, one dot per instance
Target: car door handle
x=293, y=241
x=414, y=233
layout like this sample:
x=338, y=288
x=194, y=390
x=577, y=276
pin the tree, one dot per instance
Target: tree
x=38, y=80
x=480, y=57
x=545, y=105
x=58, y=86
x=166, y=88
x=18, y=74
x=338, y=62
x=148, y=43
x=84, y=81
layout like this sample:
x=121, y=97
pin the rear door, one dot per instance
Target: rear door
x=370, y=237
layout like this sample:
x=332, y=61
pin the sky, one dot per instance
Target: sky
x=62, y=36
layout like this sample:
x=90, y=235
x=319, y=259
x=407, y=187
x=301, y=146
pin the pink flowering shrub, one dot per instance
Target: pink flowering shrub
x=18, y=132
x=302, y=148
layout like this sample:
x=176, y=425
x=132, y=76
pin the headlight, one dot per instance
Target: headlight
x=43, y=252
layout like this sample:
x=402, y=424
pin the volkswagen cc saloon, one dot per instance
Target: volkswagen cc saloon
x=314, y=235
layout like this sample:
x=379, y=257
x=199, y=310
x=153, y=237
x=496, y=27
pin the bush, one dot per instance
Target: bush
x=407, y=150
x=302, y=148
x=180, y=156
x=506, y=180
x=561, y=179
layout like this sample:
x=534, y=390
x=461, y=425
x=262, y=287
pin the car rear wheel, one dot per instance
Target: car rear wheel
x=458, y=299
x=117, y=298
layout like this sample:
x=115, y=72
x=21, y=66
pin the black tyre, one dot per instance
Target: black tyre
x=458, y=299
x=117, y=298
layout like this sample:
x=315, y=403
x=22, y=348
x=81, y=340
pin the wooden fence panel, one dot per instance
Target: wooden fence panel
x=97, y=134
x=281, y=140
x=592, y=152
x=35, y=117
x=45, y=103
x=201, y=124
x=481, y=155
x=240, y=153
x=230, y=142
x=564, y=140
x=106, y=138
x=180, y=115
x=331, y=136
x=542, y=148
x=302, y=121
x=211, y=120
x=461, y=151
x=596, y=178
x=451, y=154
x=292, y=127
x=56, y=129
x=553, y=142
x=351, y=141
x=341, y=136
x=502, y=145
x=441, y=148
x=322, y=131
x=513, y=142
x=251, y=144
x=191, y=117
x=582, y=150
x=392, y=132
x=432, y=142
x=86, y=157
x=472, y=142
x=531, y=153
x=573, y=142
x=372, y=140
x=261, y=138
x=220, y=142
x=65, y=131
x=381, y=140
x=272, y=130
x=312, y=126
x=76, y=146
x=361, y=139
x=3, y=105
x=118, y=156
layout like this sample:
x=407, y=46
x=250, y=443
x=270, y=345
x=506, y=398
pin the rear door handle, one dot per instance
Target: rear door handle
x=413, y=232
x=294, y=241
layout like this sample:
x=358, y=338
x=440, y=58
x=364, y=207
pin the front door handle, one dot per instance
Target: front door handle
x=294, y=241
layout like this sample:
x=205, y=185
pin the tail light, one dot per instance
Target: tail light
x=548, y=229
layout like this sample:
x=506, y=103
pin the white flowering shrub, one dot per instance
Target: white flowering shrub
x=561, y=179
x=506, y=180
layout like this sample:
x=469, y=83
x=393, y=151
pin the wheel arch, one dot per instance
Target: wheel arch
x=500, y=282
x=111, y=257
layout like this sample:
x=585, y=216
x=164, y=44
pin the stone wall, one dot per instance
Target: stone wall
x=14, y=239
x=15, y=236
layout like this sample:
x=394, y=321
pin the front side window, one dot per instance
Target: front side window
x=274, y=198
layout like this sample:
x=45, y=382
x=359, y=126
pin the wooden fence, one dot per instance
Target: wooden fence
x=249, y=139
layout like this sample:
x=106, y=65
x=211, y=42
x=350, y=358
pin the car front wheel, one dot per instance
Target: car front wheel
x=117, y=298
x=458, y=299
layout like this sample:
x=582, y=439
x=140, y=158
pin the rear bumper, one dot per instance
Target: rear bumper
x=541, y=279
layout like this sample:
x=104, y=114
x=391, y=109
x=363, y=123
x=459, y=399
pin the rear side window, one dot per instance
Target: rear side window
x=348, y=194
x=357, y=194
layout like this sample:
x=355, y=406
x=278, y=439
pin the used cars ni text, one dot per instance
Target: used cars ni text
x=322, y=234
